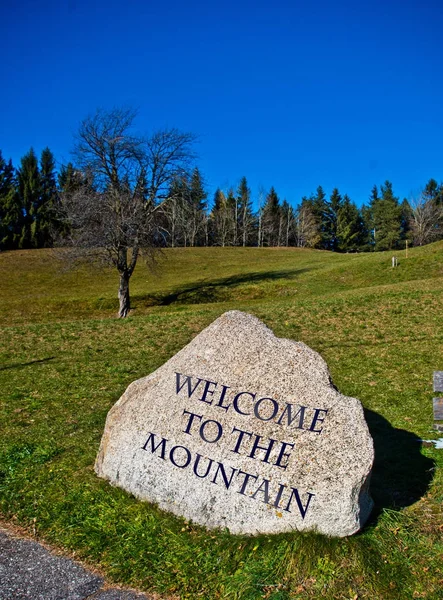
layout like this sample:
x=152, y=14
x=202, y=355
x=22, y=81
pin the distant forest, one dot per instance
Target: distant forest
x=30, y=217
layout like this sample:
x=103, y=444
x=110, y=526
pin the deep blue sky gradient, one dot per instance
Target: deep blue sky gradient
x=290, y=94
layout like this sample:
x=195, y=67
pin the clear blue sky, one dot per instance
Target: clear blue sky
x=288, y=93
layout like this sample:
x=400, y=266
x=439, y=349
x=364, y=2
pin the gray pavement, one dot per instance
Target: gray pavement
x=28, y=571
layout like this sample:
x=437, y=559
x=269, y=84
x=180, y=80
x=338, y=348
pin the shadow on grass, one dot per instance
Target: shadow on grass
x=401, y=474
x=207, y=290
x=27, y=364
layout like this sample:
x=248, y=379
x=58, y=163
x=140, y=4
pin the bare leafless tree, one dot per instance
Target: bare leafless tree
x=128, y=177
x=171, y=224
x=307, y=234
x=426, y=219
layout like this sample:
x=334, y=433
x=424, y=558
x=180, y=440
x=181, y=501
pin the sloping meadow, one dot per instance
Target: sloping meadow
x=65, y=361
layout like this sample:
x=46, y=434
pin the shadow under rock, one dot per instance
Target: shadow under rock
x=401, y=474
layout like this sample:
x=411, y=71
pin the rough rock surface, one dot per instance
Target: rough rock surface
x=244, y=430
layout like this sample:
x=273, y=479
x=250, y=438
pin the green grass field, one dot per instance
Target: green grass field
x=65, y=360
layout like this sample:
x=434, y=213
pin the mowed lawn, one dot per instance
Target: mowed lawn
x=65, y=360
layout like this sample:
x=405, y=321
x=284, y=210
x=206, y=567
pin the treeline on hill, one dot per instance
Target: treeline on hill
x=30, y=198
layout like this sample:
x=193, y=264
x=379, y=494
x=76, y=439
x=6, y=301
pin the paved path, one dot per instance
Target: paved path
x=28, y=571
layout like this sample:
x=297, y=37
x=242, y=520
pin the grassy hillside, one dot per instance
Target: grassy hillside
x=38, y=286
x=65, y=360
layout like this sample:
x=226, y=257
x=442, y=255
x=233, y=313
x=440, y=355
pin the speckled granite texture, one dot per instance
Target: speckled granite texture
x=243, y=430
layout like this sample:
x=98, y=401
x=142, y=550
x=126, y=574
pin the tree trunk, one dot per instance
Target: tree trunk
x=123, y=295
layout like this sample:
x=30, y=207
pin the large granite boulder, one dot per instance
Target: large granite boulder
x=244, y=430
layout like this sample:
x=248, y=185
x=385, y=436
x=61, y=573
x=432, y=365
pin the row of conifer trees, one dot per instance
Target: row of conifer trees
x=30, y=215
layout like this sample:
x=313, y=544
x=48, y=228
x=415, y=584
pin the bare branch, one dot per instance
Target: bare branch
x=426, y=219
x=113, y=211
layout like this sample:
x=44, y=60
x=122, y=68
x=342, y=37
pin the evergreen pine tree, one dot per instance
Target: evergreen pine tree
x=219, y=200
x=433, y=192
x=271, y=219
x=69, y=179
x=405, y=221
x=246, y=218
x=29, y=191
x=10, y=210
x=368, y=219
x=367, y=243
x=430, y=191
x=350, y=229
x=6, y=175
x=324, y=218
x=383, y=218
x=386, y=215
x=332, y=212
x=197, y=209
x=47, y=219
